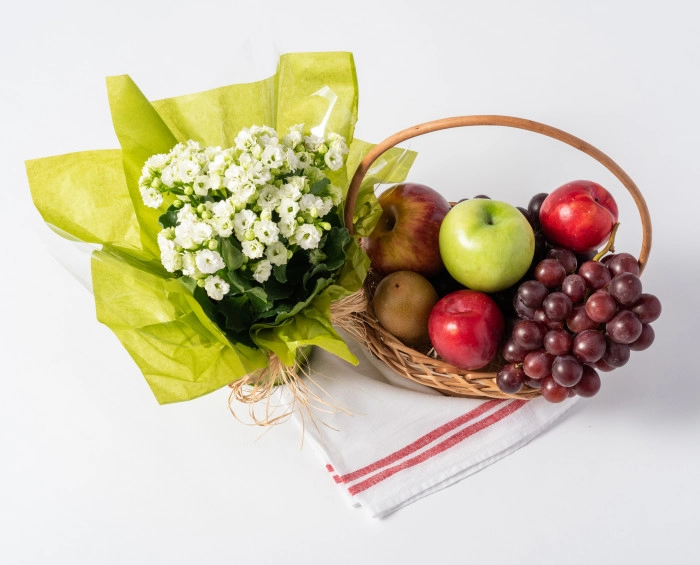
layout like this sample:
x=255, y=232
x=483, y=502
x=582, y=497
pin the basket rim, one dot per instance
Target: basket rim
x=506, y=121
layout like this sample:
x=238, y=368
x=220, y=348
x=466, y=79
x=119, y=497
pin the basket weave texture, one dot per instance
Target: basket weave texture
x=422, y=366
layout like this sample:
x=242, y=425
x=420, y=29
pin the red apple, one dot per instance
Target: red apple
x=465, y=328
x=406, y=237
x=579, y=216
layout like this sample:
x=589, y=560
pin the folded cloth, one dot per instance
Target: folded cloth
x=391, y=441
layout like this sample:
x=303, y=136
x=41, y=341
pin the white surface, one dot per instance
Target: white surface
x=94, y=471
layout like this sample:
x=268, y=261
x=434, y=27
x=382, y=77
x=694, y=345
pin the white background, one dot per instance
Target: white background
x=92, y=470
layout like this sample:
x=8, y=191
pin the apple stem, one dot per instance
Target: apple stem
x=610, y=246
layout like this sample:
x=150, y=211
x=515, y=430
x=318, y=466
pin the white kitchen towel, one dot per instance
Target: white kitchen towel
x=396, y=441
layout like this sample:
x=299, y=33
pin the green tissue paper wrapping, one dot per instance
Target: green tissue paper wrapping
x=93, y=196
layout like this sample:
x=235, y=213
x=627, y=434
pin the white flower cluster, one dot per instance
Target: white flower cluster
x=257, y=194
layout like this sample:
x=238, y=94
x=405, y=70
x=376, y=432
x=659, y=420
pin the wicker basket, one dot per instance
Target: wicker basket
x=420, y=366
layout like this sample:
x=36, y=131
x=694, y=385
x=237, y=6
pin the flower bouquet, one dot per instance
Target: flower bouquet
x=222, y=256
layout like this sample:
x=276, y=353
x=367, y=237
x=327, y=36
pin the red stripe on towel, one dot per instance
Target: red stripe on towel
x=439, y=448
x=421, y=442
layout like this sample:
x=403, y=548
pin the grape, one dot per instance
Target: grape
x=528, y=334
x=538, y=364
x=645, y=339
x=603, y=365
x=595, y=274
x=535, y=204
x=622, y=263
x=625, y=327
x=574, y=287
x=550, y=273
x=601, y=307
x=484, y=196
x=523, y=312
x=616, y=354
x=647, y=308
x=589, y=346
x=512, y=352
x=533, y=383
x=553, y=391
x=531, y=293
x=579, y=320
x=510, y=378
x=541, y=317
x=566, y=370
x=540, y=245
x=626, y=288
x=557, y=306
x=558, y=342
x=589, y=384
x=565, y=256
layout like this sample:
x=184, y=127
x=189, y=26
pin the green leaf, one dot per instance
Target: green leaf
x=232, y=256
x=319, y=187
x=280, y=273
x=169, y=219
x=258, y=299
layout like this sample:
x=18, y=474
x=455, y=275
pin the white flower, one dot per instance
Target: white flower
x=287, y=225
x=327, y=204
x=313, y=142
x=202, y=185
x=276, y=253
x=307, y=236
x=288, y=209
x=303, y=159
x=268, y=197
x=266, y=231
x=252, y=249
x=315, y=205
x=201, y=232
x=171, y=259
x=188, y=170
x=189, y=266
x=262, y=271
x=183, y=235
x=222, y=209
x=242, y=222
x=242, y=194
x=151, y=197
x=294, y=137
x=333, y=159
x=244, y=140
x=222, y=226
x=168, y=176
x=156, y=162
x=186, y=214
x=291, y=160
x=310, y=202
x=272, y=156
x=222, y=218
x=294, y=188
x=209, y=261
x=216, y=287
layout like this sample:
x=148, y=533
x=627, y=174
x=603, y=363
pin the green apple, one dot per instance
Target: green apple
x=486, y=245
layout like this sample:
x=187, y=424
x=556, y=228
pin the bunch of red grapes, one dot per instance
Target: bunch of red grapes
x=575, y=317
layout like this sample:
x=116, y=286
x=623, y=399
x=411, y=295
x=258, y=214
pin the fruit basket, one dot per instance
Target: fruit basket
x=425, y=366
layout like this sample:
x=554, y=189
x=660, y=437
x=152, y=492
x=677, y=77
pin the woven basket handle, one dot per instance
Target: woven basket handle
x=509, y=121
